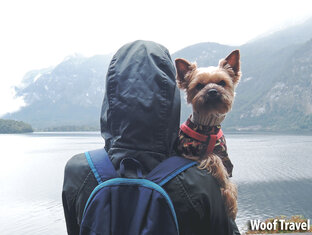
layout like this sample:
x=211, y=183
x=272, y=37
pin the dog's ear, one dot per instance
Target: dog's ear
x=183, y=67
x=232, y=64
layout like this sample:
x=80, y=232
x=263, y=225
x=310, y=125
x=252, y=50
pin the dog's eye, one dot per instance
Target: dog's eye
x=200, y=86
x=221, y=83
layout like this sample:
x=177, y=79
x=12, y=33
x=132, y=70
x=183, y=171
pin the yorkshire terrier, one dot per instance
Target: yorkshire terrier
x=211, y=93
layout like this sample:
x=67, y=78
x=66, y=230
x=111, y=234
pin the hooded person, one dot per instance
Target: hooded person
x=140, y=118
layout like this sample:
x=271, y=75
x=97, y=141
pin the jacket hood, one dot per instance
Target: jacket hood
x=141, y=108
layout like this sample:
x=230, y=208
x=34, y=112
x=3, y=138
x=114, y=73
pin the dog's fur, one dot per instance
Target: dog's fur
x=210, y=91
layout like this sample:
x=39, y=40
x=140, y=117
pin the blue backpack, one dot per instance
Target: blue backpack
x=124, y=206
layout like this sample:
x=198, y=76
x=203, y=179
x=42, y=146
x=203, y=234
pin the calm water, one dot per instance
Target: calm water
x=273, y=173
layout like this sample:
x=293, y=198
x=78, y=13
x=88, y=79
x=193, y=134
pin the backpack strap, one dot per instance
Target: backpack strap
x=101, y=165
x=103, y=168
x=168, y=169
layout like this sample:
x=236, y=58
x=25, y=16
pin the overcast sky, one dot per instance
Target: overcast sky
x=39, y=34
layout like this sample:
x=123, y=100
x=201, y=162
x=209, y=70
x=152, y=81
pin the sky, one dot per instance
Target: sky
x=37, y=34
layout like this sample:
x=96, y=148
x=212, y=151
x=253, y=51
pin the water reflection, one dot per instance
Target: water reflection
x=263, y=200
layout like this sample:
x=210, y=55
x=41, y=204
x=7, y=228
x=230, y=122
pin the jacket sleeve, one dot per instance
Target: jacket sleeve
x=79, y=182
x=70, y=216
x=69, y=199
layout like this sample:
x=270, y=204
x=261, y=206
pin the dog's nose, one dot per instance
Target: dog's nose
x=213, y=93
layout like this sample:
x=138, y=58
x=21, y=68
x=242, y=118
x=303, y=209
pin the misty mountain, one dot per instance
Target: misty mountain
x=275, y=92
x=69, y=94
x=284, y=99
x=295, y=34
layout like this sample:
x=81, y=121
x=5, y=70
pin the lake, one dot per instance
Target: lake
x=273, y=173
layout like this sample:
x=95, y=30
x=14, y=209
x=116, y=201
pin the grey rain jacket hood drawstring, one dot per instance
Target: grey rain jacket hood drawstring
x=141, y=108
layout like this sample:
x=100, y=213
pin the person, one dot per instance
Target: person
x=140, y=118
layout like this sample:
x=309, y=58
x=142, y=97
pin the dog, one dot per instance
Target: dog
x=211, y=93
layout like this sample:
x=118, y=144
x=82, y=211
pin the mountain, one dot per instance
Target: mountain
x=69, y=94
x=275, y=92
x=285, y=102
x=295, y=34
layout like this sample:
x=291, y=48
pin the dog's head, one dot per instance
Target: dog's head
x=211, y=89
